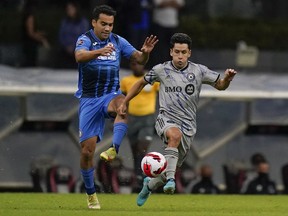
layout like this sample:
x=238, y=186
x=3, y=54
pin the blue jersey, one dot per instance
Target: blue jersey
x=100, y=76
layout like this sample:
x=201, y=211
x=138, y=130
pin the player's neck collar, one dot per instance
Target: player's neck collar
x=181, y=69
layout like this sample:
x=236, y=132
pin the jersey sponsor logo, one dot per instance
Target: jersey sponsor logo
x=173, y=89
x=189, y=89
x=111, y=57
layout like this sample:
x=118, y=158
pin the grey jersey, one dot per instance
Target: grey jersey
x=179, y=91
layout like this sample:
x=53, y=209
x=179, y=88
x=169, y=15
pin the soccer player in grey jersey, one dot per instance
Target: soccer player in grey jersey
x=180, y=86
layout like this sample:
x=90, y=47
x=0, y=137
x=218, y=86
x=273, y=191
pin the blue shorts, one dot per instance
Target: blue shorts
x=92, y=114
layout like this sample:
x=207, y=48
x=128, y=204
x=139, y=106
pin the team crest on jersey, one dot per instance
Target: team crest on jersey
x=189, y=89
x=191, y=77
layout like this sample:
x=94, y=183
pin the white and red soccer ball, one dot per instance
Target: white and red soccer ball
x=153, y=164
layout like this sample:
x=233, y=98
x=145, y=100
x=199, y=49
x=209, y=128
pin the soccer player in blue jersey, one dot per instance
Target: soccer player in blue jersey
x=98, y=53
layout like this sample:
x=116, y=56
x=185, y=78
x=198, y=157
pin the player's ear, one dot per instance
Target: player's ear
x=93, y=22
x=171, y=52
x=189, y=53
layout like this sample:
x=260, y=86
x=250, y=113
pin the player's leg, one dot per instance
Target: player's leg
x=119, y=128
x=157, y=182
x=173, y=136
x=91, y=125
x=144, y=193
x=184, y=148
x=87, y=171
x=149, y=185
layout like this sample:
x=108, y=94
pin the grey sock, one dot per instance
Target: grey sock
x=154, y=183
x=171, y=155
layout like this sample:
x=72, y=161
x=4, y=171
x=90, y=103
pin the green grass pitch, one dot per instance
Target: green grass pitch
x=42, y=204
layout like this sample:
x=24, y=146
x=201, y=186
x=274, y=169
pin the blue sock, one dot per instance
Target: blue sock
x=88, y=178
x=119, y=132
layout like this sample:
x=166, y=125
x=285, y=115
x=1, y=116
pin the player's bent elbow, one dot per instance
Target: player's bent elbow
x=79, y=59
x=222, y=88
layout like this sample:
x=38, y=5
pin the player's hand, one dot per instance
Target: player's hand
x=107, y=50
x=229, y=74
x=149, y=44
x=121, y=110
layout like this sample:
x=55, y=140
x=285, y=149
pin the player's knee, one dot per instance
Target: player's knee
x=176, y=137
x=174, y=134
x=119, y=100
x=87, y=152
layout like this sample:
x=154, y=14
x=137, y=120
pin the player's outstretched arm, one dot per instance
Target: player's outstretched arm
x=135, y=90
x=224, y=83
x=142, y=56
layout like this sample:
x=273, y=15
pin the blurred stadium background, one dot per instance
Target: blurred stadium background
x=40, y=124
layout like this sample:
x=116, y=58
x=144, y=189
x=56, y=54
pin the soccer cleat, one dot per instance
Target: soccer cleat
x=109, y=154
x=169, y=188
x=93, y=202
x=144, y=193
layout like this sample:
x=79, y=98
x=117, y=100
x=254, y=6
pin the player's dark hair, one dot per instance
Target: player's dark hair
x=182, y=39
x=103, y=9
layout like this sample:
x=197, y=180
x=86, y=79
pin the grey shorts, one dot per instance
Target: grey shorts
x=163, y=123
x=141, y=127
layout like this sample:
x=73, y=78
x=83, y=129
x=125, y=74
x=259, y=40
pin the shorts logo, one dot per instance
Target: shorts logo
x=80, y=133
x=189, y=89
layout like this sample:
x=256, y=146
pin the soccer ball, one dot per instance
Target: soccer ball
x=153, y=164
